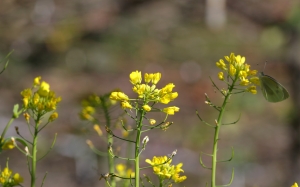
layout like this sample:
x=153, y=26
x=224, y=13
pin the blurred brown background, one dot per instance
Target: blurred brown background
x=91, y=46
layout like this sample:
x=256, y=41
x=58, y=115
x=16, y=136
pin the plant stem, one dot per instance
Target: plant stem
x=137, y=148
x=111, y=163
x=8, y=125
x=161, y=183
x=34, y=150
x=216, y=135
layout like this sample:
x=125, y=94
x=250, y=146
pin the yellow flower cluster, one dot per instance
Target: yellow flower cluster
x=148, y=92
x=237, y=69
x=295, y=185
x=164, y=170
x=40, y=99
x=90, y=104
x=9, y=180
x=9, y=144
x=123, y=171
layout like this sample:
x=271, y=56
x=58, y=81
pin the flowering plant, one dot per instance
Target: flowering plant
x=148, y=95
x=239, y=78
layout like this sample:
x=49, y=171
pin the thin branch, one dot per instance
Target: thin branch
x=234, y=121
x=231, y=179
x=52, y=145
x=197, y=113
x=201, y=162
x=231, y=157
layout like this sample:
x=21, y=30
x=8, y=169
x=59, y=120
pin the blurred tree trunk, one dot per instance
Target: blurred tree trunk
x=215, y=14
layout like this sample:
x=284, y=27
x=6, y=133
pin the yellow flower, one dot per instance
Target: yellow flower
x=139, y=89
x=123, y=171
x=118, y=96
x=171, y=110
x=255, y=80
x=147, y=108
x=221, y=65
x=6, y=178
x=163, y=168
x=232, y=70
x=26, y=93
x=8, y=145
x=244, y=82
x=166, y=95
x=152, y=121
x=243, y=74
x=122, y=96
x=120, y=168
x=135, y=77
x=221, y=75
x=295, y=185
x=247, y=68
x=156, y=78
x=125, y=105
x=53, y=117
x=25, y=102
x=97, y=129
x=36, y=81
x=230, y=58
x=44, y=89
x=125, y=133
x=6, y=172
x=148, y=77
x=17, y=178
x=240, y=60
x=252, y=72
x=26, y=116
x=168, y=88
x=36, y=98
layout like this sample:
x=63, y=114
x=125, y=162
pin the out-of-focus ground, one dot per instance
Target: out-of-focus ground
x=91, y=46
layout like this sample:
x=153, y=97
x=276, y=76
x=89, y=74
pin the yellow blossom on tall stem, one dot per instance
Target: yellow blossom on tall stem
x=148, y=95
x=37, y=102
x=240, y=79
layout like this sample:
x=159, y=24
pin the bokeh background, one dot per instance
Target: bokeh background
x=91, y=46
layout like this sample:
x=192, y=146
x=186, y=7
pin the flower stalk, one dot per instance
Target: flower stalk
x=236, y=74
x=148, y=96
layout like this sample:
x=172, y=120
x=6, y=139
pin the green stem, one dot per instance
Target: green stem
x=161, y=183
x=8, y=125
x=34, y=160
x=137, y=149
x=109, y=140
x=216, y=135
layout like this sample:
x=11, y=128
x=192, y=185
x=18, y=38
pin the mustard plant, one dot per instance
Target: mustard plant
x=238, y=78
x=167, y=173
x=148, y=96
x=8, y=179
x=96, y=110
x=39, y=105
